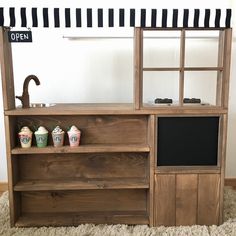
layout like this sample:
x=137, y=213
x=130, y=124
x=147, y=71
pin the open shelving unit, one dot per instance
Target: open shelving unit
x=114, y=176
x=222, y=68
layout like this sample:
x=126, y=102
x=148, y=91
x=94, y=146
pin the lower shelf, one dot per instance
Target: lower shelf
x=109, y=183
x=74, y=219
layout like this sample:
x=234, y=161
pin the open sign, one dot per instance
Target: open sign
x=20, y=36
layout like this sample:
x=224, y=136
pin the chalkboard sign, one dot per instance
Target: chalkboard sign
x=20, y=36
x=187, y=141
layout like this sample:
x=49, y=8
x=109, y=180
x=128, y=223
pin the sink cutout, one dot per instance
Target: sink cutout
x=37, y=105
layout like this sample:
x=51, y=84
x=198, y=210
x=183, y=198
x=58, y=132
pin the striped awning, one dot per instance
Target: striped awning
x=110, y=17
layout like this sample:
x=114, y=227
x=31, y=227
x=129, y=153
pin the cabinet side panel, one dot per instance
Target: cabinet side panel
x=226, y=65
x=208, y=199
x=164, y=200
x=186, y=199
x=222, y=154
x=12, y=170
x=8, y=90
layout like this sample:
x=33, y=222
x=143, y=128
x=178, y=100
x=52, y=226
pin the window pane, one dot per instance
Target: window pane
x=160, y=85
x=201, y=48
x=161, y=48
x=201, y=84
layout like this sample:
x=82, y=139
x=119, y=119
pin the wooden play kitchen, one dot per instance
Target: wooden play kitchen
x=136, y=163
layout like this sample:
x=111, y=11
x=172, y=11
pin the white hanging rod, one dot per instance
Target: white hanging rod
x=129, y=37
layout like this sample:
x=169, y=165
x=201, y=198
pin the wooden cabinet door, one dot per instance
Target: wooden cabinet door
x=208, y=199
x=164, y=200
x=186, y=199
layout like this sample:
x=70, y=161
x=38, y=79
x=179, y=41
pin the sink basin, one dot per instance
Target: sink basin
x=34, y=105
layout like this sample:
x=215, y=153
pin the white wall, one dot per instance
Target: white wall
x=98, y=70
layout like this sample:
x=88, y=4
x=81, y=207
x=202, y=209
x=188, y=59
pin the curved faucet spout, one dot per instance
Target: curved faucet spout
x=25, y=95
x=27, y=80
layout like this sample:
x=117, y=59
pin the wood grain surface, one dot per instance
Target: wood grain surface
x=164, y=200
x=84, y=200
x=208, y=199
x=96, y=165
x=74, y=219
x=186, y=199
x=8, y=90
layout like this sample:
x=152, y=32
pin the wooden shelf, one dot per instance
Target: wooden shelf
x=52, y=185
x=76, y=109
x=90, y=148
x=111, y=109
x=74, y=219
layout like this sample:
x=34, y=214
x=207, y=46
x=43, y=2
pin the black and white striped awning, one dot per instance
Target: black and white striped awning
x=101, y=17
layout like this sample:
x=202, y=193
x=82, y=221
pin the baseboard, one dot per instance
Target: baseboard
x=230, y=182
x=3, y=186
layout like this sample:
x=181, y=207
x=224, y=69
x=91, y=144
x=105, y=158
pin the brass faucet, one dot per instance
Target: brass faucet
x=25, y=95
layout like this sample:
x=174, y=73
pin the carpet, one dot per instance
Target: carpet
x=227, y=228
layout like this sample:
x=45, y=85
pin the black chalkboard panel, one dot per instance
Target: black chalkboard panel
x=187, y=141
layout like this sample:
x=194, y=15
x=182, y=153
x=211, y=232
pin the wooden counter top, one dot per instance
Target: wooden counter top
x=114, y=109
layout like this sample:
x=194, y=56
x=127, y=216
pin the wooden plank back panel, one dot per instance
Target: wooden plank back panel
x=95, y=129
x=164, y=200
x=186, y=199
x=92, y=165
x=84, y=201
x=8, y=90
x=208, y=199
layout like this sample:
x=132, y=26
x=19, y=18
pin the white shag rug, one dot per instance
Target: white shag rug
x=227, y=228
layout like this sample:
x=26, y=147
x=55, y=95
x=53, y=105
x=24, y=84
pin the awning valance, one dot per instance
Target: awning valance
x=110, y=17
